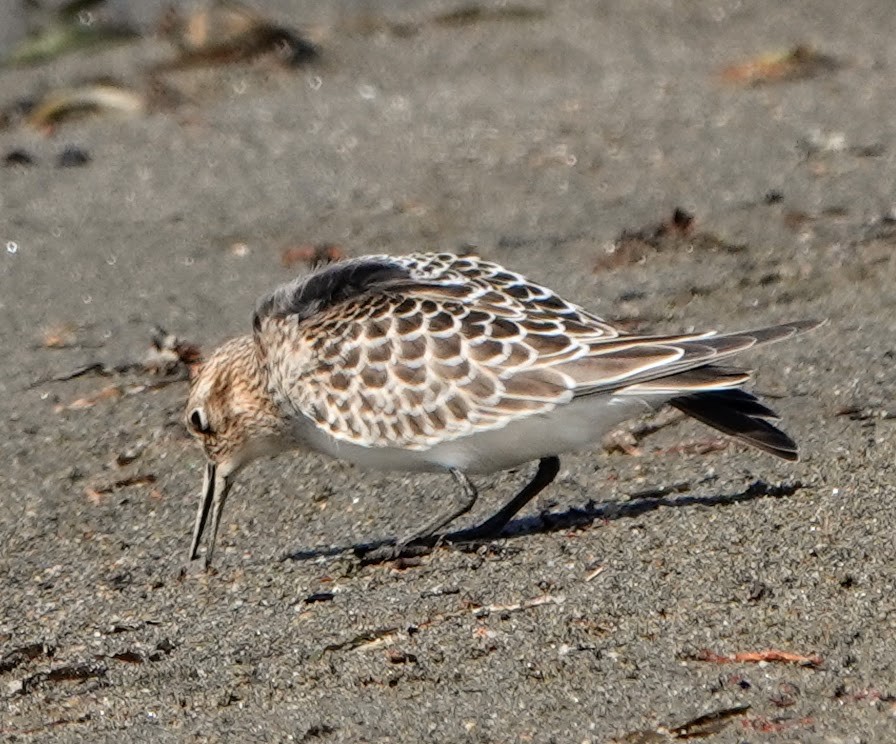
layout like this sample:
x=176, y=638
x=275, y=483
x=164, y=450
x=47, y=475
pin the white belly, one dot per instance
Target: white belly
x=576, y=426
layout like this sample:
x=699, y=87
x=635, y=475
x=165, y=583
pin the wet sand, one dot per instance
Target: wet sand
x=536, y=140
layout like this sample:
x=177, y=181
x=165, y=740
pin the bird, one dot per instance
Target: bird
x=435, y=362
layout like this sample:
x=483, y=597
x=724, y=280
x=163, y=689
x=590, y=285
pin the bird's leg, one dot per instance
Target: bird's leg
x=461, y=504
x=421, y=540
x=548, y=467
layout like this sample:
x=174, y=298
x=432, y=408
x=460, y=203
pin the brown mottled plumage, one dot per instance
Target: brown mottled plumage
x=443, y=363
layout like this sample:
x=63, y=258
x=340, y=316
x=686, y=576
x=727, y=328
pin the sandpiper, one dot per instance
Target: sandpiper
x=444, y=363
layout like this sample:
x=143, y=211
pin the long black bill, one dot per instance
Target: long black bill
x=213, y=497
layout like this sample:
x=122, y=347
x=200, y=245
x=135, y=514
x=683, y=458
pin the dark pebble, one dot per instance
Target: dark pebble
x=18, y=157
x=72, y=157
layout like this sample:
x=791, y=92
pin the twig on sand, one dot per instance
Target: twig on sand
x=757, y=657
x=169, y=360
x=96, y=493
x=377, y=638
x=94, y=368
x=700, y=727
x=708, y=723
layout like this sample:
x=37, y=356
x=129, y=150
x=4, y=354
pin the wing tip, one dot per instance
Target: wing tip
x=742, y=417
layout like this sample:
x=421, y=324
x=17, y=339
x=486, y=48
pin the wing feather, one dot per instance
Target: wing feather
x=413, y=351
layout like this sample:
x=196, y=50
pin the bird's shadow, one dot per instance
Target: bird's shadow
x=383, y=550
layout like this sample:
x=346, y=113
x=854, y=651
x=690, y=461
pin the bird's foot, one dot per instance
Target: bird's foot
x=465, y=540
x=411, y=548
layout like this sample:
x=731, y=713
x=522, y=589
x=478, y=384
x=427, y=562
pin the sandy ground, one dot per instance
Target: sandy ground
x=536, y=141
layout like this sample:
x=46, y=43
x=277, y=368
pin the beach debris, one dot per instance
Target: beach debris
x=676, y=232
x=169, y=359
x=365, y=640
x=230, y=32
x=467, y=15
x=313, y=254
x=460, y=17
x=626, y=438
x=770, y=655
x=59, y=336
x=72, y=156
x=785, y=696
x=707, y=724
x=865, y=413
x=109, y=392
x=384, y=636
x=861, y=695
x=78, y=671
x=169, y=354
x=129, y=656
x=98, y=98
x=24, y=654
x=67, y=32
x=764, y=725
x=396, y=656
x=526, y=604
x=800, y=62
x=95, y=493
x=819, y=142
x=18, y=157
x=319, y=597
x=128, y=626
x=703, y=446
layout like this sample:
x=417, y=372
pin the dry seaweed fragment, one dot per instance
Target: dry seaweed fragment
x=230, y=32
x=757, y=657
x=362, y=640
x=708, y=723
x=764, y=725
x=676, y=232
x=700, y=727
x=168, y=353
x=23, y=654
x=92, y=98
x=129, y=657
x=472, y=13
x=60, y=336
x=319, y=597
x=169, y=357
x=801, y=62
x=96, y=493
x=464, y=15
x=65, y=37
x=865, y=413
x=79, y=671
x=110, y=392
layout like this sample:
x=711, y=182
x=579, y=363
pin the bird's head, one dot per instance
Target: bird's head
x=231, y=414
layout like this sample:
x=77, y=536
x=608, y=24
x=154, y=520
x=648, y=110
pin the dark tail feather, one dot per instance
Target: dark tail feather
x=740, y=415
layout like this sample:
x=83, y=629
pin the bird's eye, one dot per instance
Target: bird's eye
x=199, y=421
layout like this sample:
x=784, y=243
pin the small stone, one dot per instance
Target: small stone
x=18, y=156
x=72, y=157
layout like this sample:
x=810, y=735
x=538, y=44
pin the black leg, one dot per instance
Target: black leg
x=461, y=505
x=422, y=541
x=548, y=467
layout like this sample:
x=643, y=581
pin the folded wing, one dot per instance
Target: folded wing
x=419, y=350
